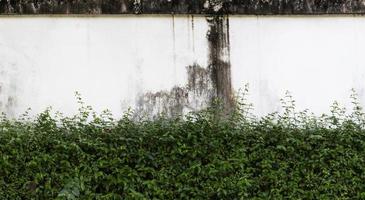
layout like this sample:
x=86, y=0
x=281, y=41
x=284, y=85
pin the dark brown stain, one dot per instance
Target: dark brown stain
x=217, y=7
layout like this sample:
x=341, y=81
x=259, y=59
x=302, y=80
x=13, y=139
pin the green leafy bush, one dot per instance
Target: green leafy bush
x=293, y=155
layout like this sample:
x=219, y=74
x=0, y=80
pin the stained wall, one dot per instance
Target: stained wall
x=169, y=63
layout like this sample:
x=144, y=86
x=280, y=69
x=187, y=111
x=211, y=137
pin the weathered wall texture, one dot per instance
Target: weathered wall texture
x=196, y=94
x=246, y=7
x=178, y=64
x=187, y=60
x=114, y=63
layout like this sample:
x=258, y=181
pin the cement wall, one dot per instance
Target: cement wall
x=317, y=59
x=178, y=63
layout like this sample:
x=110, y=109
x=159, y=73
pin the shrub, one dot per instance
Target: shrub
x=292, y=155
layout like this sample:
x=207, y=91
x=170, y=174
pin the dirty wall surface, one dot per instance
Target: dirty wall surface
x=176, y=64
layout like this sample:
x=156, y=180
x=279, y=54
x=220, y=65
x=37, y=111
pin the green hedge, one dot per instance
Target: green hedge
x=204, y=155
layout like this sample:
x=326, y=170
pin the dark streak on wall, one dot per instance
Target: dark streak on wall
x=196, y=94
x=8, y=99
x=9, y=106
x=216, y=87
x=204, y=84
x=246, y=7
x=219, y=59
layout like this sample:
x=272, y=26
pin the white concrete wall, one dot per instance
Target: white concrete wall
x=318, y=59
x=110, y=61
x=43, y=61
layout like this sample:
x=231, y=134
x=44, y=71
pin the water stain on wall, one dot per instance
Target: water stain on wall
x=204, y=85
x=219, y=59
x=196, y=94
x=8, y=90
x=16, y=75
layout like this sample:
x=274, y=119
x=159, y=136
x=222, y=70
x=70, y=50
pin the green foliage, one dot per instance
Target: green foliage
x=293, y=155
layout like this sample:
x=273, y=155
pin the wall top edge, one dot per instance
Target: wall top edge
x=191, y=7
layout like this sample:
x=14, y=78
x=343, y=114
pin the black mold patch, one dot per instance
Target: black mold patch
x=219, y=7
x=219, y=59
x=199, y=79
x=204, y=84
x=195, y=95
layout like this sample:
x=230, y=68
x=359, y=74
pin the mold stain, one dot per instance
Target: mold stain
x=8, y=89
x=219, y=59
x=204, y=85
x=193, y=33
x=189, y=41
x=194, y=95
